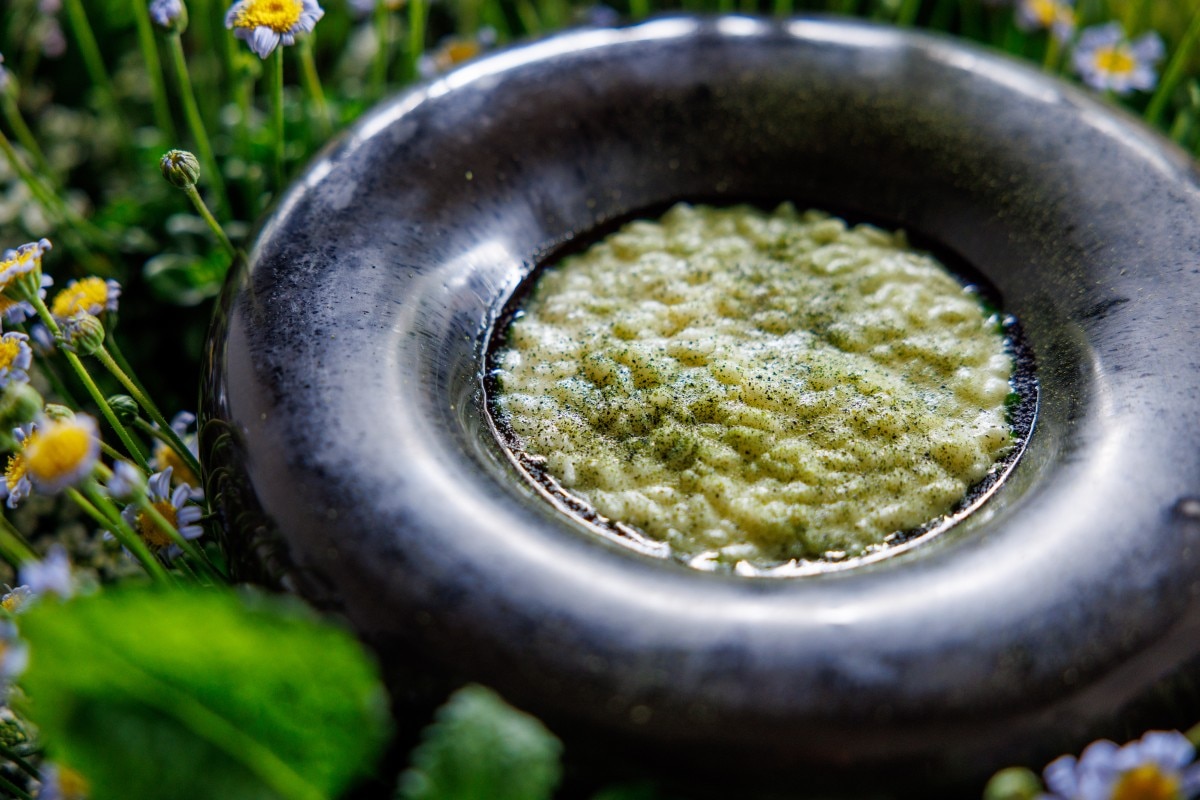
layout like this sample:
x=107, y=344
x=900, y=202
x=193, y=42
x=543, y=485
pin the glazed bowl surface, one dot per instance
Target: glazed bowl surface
x=349, y=449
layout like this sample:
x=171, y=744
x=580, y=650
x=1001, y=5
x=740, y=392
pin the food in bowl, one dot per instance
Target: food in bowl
x=754, y=388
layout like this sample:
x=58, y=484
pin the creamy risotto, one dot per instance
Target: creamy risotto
x=757, y=386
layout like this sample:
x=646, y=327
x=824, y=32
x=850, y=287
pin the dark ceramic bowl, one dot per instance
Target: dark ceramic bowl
x=350, y=453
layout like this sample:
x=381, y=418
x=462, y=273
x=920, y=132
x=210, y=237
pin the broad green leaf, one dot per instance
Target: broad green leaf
x=480, y=748
x=201, y=695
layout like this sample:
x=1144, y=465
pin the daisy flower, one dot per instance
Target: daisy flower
x=91, y=295
x=19, y=262
x=52, y=575
x=17, y=311
x=1108, y=61
x=168, y=14
x=15, y=358
x=1057, y=16
x=1159, y=766
x=14, y=601
x=61, y=453
x=17, y=486
x=173, y=505
x=265, y=24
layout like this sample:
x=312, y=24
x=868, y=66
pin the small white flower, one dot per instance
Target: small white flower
x=52, y=575
x=1108, y=61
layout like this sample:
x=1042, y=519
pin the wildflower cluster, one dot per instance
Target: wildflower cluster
x=1102, y=55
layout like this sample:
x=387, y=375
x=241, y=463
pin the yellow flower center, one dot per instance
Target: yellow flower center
x=14, y=471
x=278, y=15
x=1049, y=12
x=57, y=450
x=458, y=52
x=1115, y=60
x=73, y=785
x=9, y=350
x=151, y=533
x=11, y=604
x=1147, y=782
x=86, y=296
x=181, y=473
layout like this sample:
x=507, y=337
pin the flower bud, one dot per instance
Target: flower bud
x=127, y=482
x=180, y=168
x=170, y=15
x=19, y=403
x=125, y=408
x=84, y=334
x=59, y=413
x=1014, y=783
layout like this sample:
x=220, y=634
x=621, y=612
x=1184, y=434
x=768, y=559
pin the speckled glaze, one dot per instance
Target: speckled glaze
x=349, y=453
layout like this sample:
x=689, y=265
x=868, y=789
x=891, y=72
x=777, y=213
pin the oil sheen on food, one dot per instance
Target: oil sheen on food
x=759, y=387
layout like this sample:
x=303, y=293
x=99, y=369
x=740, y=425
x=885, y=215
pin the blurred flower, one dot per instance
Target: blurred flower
x=50, y=7
x=13, y=655
x=16, y=478
x=1057, y=16
x=62, y=783
x=14, y=601
x=127, y=482
x=174, y=507
x=1108, y=61
x=598, y=16
x=91, y=295
x=167, y=459
x=168, y=14
x=363, y=8
x=50, y=33
x=4, y=76
x=264, y=24
x=1159, y=766
x=61, y=453
x=454, y=50
x=15, y=358
x=52, y=575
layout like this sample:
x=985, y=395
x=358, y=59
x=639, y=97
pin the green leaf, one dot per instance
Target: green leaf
x=197, y=694
x=479, y=748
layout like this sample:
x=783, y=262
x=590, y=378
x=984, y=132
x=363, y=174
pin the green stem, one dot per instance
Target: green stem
x=12, y=756
x=1174, y=72
x=102, y=355
x=93, y=503
x=14, y=790
x=172, y=533
x=312, y=85
x=383, y=50
x=528, y=15
x=49, y=201
x=13, y=545
x=639, y=9
x=1053, y=50
x=191, y=112
x=416, y=35
x=206, y=215
x=93, y=62
x=784, y=8
x=277, y=115
x=162, y=107
x=907, y=15
x=12, y=113
x=86, y=379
